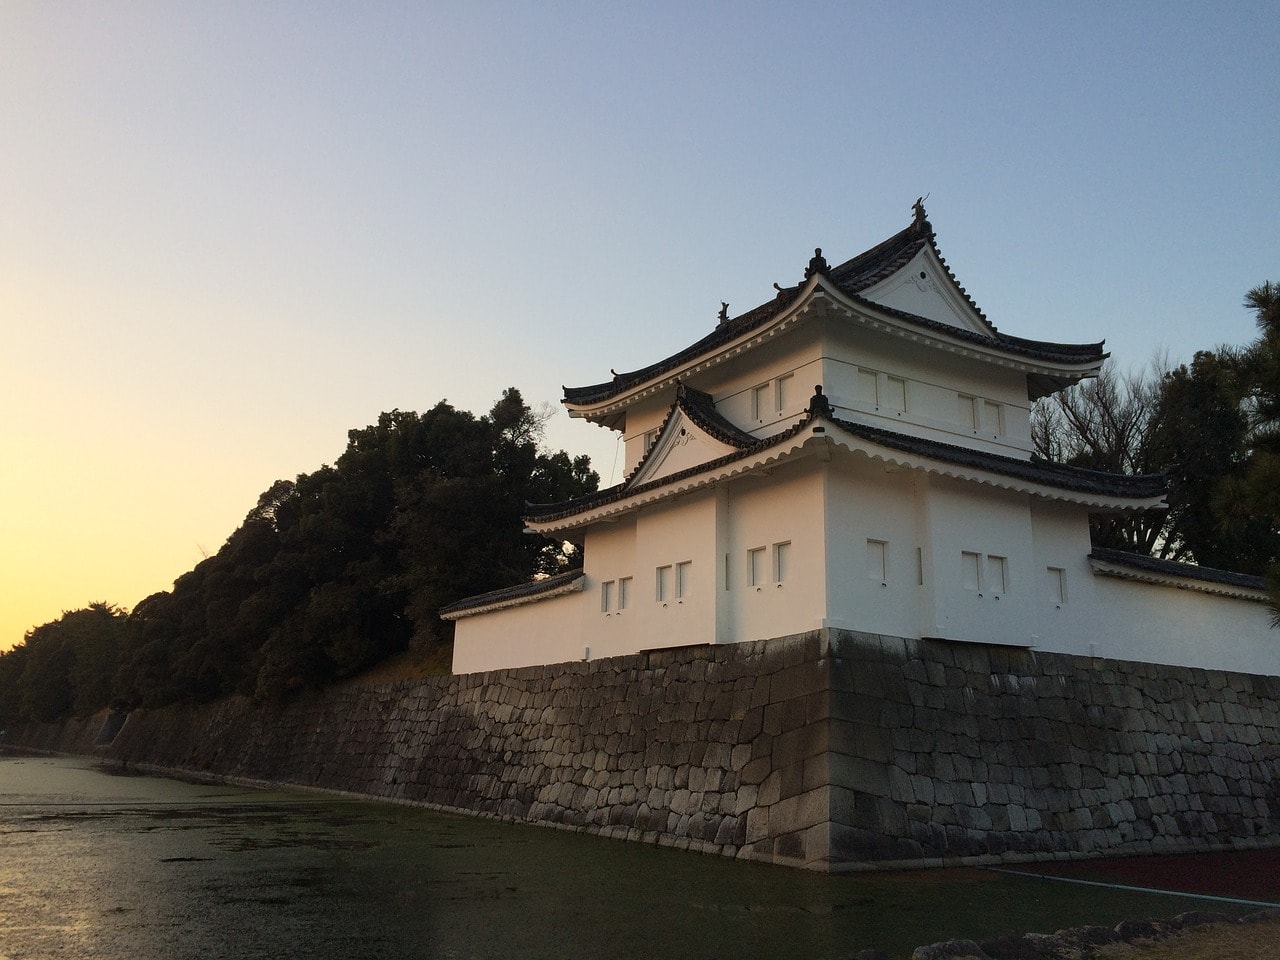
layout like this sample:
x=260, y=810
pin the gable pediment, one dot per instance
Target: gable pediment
x=924, y=287
x=680, y=445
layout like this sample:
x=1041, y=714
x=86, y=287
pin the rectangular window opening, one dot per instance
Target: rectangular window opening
x=783, y=391
x=662, y=584
x=969, y=412
x=878, y=560
x=760, y=402
x=756, y=566
x=993, y=416
x=895, y=394
x=866, y=388
x=606, y=596
x=781, y=561
x=998, y=574
x=1057, y=585
x=624, y=592
x=683, y=569
x=972, y=570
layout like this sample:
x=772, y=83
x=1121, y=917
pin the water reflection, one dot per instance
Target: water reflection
x=153, y=869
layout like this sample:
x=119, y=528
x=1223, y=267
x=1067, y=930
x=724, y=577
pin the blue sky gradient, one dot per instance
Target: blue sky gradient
x=233, y=231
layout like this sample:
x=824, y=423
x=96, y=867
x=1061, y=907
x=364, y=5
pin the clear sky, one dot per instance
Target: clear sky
x=230, y=232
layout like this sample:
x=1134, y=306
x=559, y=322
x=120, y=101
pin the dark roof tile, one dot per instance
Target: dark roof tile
x=1060, y=476
x=852, y=277
x=520, y=591
x=1175, y=568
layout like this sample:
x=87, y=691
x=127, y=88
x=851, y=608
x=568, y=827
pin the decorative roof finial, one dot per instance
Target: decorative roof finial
x=724, y=311
x=817, y=264
x=819, y=404
x=921, y=219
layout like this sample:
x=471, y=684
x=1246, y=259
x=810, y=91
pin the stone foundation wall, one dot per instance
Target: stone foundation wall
x=714, y=748
x=950, y=750
x=832, y=750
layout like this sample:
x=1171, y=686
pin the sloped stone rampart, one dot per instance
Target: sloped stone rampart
x=946, y=751
x=831, y=750
x=715, y=748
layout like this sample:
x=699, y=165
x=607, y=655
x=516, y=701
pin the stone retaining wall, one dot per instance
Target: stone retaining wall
x=949, y=750
x=831, y=750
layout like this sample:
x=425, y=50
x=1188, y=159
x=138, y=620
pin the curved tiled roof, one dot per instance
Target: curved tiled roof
x=1060, y=475
x=1175, y=568
x=1044, y=350
x=1044, y=473
x=721, y=335
x=521, y=591
x=852, y=278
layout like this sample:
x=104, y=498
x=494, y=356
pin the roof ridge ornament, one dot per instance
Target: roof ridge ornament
x=724, y=313
x=817, y=264
x=921, y=219
x=820, y=404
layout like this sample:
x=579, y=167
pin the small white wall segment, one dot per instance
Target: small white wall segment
x=548, y=631
x=897, y=497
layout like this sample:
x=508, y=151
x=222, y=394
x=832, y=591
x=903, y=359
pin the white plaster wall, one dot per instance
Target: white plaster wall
x=830, y=350
x=990, y=523
x=865, y=503
x=797, y=357
x=1161, y=624
x=934, y=385
x=1127, y=620
x=667, y=534
x=786, y=507
x=549, y=631
x=610, y=554
x=1061, y=536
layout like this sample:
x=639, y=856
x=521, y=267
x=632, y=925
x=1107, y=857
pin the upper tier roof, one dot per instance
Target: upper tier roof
x=853, y=278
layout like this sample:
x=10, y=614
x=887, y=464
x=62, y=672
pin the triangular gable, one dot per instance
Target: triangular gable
x=924, y=287
x=1096, y=489
x=681, y=444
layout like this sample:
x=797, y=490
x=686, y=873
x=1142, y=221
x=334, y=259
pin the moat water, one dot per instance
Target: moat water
x=99, y=865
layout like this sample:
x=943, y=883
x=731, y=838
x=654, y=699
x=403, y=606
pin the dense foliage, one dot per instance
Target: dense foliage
x=1212, y=426
x=62, y=667
x=328, y=573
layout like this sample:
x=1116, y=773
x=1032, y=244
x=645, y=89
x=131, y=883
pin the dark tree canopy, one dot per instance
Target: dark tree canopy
x=63, y=667
x=1212, y=426
x=1108, y=423
x=328, y=574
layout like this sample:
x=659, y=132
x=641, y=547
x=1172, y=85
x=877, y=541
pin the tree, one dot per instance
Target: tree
x=12, y=665
x=1258, y=495
x=1213, y=427
x=62, y=667
x=1109, y=423
x=342, y=567
x=1202, y=442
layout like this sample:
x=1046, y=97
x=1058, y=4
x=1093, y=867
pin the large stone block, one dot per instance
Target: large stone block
x=870, y=776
